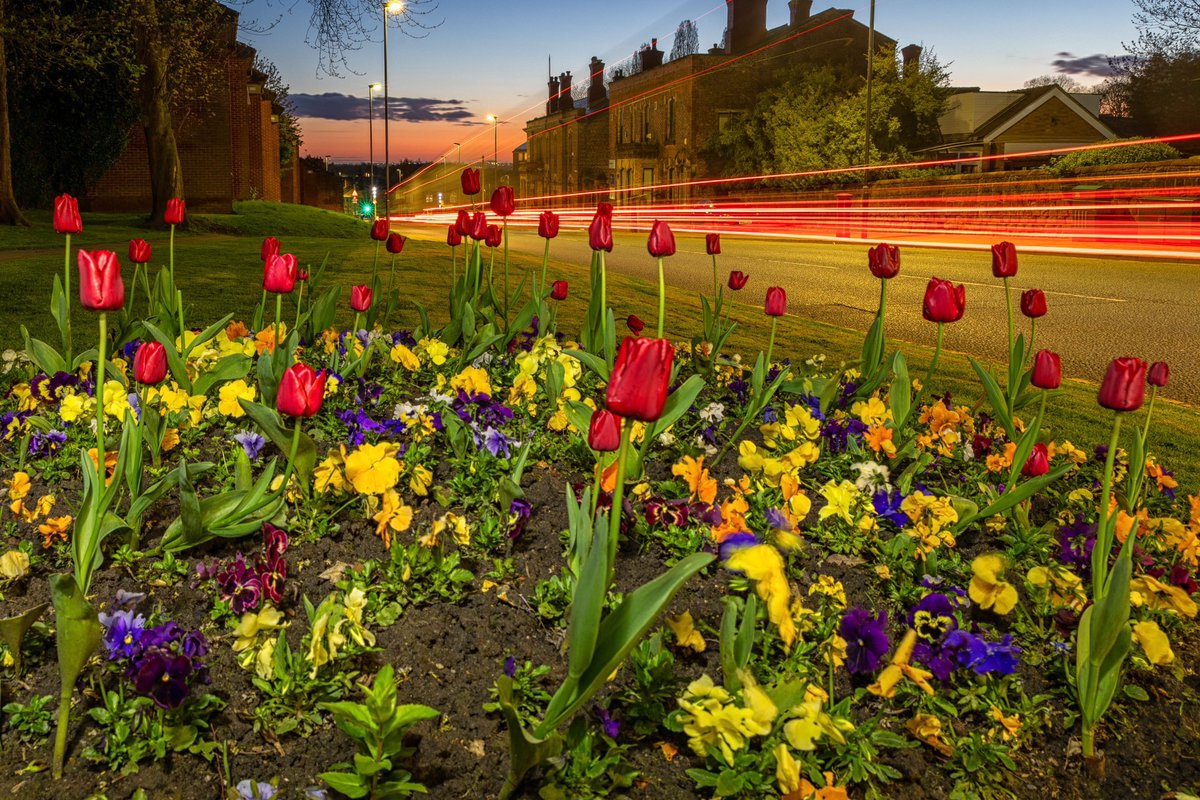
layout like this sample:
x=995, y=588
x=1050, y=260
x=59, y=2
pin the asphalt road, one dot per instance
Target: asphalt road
x=1099, y=307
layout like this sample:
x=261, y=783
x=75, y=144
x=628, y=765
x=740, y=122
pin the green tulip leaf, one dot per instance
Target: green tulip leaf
x=13, y=630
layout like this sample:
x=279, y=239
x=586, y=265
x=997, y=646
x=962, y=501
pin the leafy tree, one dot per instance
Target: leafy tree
x=290, y=135
x=687, y=40
x=815, y=119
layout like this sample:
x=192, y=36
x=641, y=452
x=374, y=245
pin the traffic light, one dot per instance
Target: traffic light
x=367, y=208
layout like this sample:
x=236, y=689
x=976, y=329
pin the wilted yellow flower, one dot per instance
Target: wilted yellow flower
x=1154, y=642
x=987, y=588
x=1009, y=726
x=838, y=499
x=229, y=395
x=899, y=668
x=393, y=515
x=356, y=603
x=448, y=523
x=328, y=474
x=787, y=770
x=419, y=480
x=325, y=640
x=373, y=468
x=18, y=486
x=714, y=723
x=54, y=528
x=685, y=632
x=405, y=358
x=762, y=564
x=927, y=728
x=252, y=624
x=13, y=565
x=701, y=485
x=810, y=723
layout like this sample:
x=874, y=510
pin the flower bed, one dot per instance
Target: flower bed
x=298, y=561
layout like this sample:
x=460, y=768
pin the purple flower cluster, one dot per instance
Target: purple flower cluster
x=244, y=585
x=519, y=512
x=359, y=424
x=163, y=662
x=49, y=388
x=866, y=639
x=887, y=506
x=45, y=445
x=838, y=433
x=1075, y=543
x=944, y=647
x=12, y=423
x=679, y=513
x=485, y=416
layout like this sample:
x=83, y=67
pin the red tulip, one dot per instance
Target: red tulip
x=379, y=229
x=641, y=375
x=479, y=226
x=470, y=181
x=1004, y=260
x=503, y=201
x=270, y=247
x=604, y=210
x=1047, y=370
x=548, y=225
x=737, y=279
x=139, y=251
x=453, y=237
x=395, y=243
x=174, y=215
x=301, y=275
x=494, y=236
x=279, y=274
x=1038, y=462
x=558, y=290
x=944, y=302
x=712, y=243
x=150, y=363
x=884, y=261
x=301, y=391
x=661, y=242
x=604, y=431
x=100, y=286
x=360, y=298
x=1159, y=374
x=462, y=223
x=635, y=324
x=600, y=233
x=775, y=304
x=1124, y=385
x=1033, y=303
x=66, y=215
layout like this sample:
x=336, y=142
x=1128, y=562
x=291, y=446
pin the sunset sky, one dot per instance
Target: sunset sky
x=489, y=57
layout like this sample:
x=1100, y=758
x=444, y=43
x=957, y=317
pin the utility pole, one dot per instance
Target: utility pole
x=870, y=72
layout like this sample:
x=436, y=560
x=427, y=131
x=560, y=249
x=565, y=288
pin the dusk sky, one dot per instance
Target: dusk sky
x=489, y=57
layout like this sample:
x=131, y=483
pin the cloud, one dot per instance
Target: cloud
x=1070, y=64
x=334, y=105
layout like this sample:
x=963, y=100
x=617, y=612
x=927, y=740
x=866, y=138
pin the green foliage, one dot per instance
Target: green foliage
x=378, y=727
x=650, y=695
x=415, y=575
x=1071, y=163
x=134, y=730
x=592, y=765
x=529, y=698
x=30, y=721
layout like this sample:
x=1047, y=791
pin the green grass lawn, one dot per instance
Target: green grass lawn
x=219, y=272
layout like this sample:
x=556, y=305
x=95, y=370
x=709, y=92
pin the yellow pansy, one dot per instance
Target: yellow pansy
x=74, y=406
x=373, y=468
x=762, y=564
x=838, y=499
x=405, y=358
x=472, y=379
x=872, y=412
x=987, y=588
x=1154, y=642
x=436, y=350
x=13, y=565
x=810, y=722
x=393, y=515
x=229, y=395
x=900, y=668
x=18, y=486
x=685, y=632
x=252, y=624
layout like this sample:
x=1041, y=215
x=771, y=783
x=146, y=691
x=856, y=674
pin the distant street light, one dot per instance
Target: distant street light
x=371, y=89
x=390, y=7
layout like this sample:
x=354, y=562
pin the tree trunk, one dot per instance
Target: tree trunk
x=10, y=212
x=166, y=174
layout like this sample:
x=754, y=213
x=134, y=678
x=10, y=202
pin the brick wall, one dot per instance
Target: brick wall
x=1052, y=121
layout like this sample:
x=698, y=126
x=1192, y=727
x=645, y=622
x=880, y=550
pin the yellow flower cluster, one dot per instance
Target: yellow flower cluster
x=335, y=623
x=947, y=427
x=716, y=725
x=988, y=588
x=932, y=520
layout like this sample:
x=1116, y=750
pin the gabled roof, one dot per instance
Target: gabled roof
x=1024, y=103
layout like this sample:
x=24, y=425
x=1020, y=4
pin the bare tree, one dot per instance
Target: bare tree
x=1167, y=27
x=687, y=40
x=338, y=28
x=1065, y=82
x=10, y=212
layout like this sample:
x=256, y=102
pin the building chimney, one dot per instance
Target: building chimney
x=911, y=56
x=746, y=25
x=597, y=93
x=552, y=101
x=801, y=11
x=651, y=56
x=565, y=103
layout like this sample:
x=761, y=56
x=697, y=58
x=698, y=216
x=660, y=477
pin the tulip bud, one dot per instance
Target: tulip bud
x=379, y=229
x=1159, y=374
x=100, y=285
x=1004, y=260
x=944, y=302
x=635, y=324
x=737, y=279
x=1124, y=385
x=470, y=181
x=558, y=290
x=395, y=243
x=712, y=244
x=139, y=251
x=600, y=233
x=174, y=215
x=66, y=215
x=1047, y=370
x=150, y=363
x=503, y=201
x=641, y=376
x=1033, y=303
x=604, y=431
x=493, y=236
x=548, y=225
x=479, y=226
x=279, y=274
x=884, y=261
x=270, y=247
x=301, y=391
x=462, y=223
x=360, y=298
x=1038, y=462
x=661, y=242
x=453, y=237
x=604, y=210
x=775, y=304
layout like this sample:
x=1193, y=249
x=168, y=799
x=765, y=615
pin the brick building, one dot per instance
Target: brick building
x=978, y=123
x=228, y=150
x=658, y=117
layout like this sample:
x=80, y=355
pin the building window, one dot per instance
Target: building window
x=670, y=137
x=646, y=123
x=620, y=126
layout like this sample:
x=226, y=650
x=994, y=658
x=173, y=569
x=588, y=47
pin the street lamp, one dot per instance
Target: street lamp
x=390, y=7
x=371, y=89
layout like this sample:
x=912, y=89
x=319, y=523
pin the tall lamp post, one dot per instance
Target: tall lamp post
x=390, y=7
x=371, y=89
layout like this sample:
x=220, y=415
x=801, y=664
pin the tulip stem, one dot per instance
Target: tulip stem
x=715, y=283
x=101, y=348
x=67, y=297
x=506, y=274
x=262, y=307
x=618, y=497
x=770, y=345
x=375, y=263
x=545, y=261
x=453, y=265
x=171, y=258
x=278, y=316
x=179, y=312
x=662, y=298
x=1008, y=303
x=357, y=321
x=1032, y=337
x=392, y=280
x=1103, y=546
x=1149, y=414
x=287, y=472
x=299, y=304
x=937, y=354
